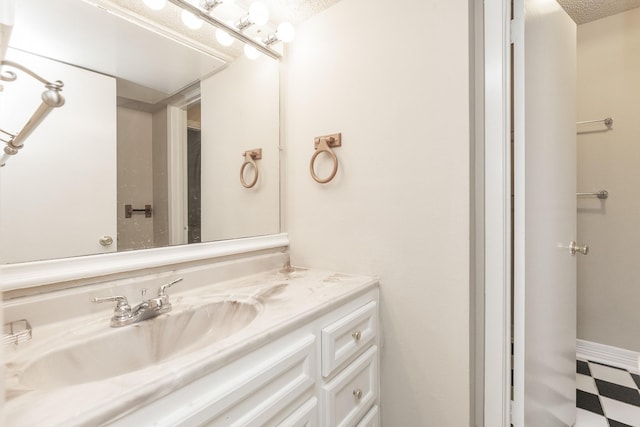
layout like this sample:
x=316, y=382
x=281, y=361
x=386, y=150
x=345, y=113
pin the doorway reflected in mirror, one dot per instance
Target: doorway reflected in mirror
x=194, y=173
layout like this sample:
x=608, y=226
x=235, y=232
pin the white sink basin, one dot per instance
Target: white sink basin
x=85, y=356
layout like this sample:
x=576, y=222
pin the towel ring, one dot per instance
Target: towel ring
x=323, y=144
x=249, y=159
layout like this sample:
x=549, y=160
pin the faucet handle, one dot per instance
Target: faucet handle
x=168, y=285
x=123, y=309
x=120, y=299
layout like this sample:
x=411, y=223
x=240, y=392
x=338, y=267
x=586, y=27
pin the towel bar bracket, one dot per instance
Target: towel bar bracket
x=334, y=140
x=129, y=210
x=599, y=194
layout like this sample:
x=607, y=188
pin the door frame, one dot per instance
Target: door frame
x=177, y=165
x=494, y=231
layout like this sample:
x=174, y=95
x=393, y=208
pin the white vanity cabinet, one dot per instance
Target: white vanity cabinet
x=323, y=373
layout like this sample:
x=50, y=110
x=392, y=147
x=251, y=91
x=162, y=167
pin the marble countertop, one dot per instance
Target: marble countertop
x=285, y=300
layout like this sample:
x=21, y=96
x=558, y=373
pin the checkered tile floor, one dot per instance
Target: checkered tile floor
x=606, y=396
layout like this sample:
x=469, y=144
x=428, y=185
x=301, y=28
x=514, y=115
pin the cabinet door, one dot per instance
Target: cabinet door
x=348, y=397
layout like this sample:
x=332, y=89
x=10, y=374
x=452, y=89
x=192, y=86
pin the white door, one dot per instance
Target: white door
x=59, y=192
x=544, y=214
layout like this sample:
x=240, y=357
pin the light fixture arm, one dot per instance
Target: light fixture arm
x=184, y=4
x=209, y=5
x=271, y=39
x=244, y=22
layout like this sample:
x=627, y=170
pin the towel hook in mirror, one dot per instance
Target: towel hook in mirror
x=323, y=144
x=250, y=158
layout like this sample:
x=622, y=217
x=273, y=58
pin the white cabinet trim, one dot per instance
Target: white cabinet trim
x=305, y=416
x=372, y=419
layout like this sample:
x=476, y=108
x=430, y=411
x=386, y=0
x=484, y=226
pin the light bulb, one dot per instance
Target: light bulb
x=258, y=13
x=224, y=38
x=155, y=4
x=251, y=52
x=286, y=32
x=191, y=20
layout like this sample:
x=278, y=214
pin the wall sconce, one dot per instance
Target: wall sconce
x=155, y=4
x=258, y=15
x=285, y=33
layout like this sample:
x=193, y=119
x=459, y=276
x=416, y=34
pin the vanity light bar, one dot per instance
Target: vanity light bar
x=185, y=5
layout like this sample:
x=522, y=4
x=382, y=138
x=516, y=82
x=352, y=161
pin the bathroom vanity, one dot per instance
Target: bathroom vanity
x=290, y=347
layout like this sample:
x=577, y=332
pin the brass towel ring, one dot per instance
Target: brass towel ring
x=249, y=159
x=323, y=144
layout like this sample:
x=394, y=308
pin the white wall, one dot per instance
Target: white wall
x=59, y=191
x=240, y=111
x=135, y=178
x=609, y=86
x=393, y=78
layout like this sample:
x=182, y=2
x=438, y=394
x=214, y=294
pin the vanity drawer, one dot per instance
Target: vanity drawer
x=348, y=397
x=372, y=419
x=346, y=337
x=264, y=395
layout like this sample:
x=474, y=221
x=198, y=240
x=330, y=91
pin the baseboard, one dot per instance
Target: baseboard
x=613, y=356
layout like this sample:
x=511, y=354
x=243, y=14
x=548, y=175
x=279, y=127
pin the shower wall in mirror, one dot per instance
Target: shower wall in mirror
x=120, y=160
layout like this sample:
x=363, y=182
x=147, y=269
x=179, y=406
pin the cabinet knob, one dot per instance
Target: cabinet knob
x=106, y=240
x=356, y=335
x=357, y=393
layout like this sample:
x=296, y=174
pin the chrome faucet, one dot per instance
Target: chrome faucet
x=124, y=314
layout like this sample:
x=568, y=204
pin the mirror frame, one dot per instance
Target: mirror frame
x=39, y=273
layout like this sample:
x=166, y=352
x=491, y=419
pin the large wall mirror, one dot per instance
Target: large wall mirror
x=147, y=150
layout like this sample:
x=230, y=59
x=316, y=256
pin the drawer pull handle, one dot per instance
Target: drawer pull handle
x=357, y=393
x=356, y=335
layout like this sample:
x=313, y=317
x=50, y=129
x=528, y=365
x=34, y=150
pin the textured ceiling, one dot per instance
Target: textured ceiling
x=294, y=11
x=583, y=11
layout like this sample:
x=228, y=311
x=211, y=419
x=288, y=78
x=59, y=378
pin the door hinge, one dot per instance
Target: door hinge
x=511, y=31
x=515, y=30
x=512, y=409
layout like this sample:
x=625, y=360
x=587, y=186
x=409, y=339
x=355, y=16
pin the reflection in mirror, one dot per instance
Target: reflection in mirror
x=194, y=164
x=149, y=120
